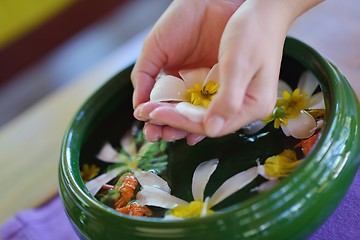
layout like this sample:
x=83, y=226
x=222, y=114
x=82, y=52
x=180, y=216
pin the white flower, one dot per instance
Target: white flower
x=153, y=195
x=192, y=92
x=110, y=155
x=129, y=158
x=290, y=112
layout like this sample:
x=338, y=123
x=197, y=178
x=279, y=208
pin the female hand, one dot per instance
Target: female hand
x=249, y=59
x=186, y=36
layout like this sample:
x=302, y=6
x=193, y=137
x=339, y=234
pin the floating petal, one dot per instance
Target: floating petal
x=169, y=88
x=151, y=196
x=285, y=130
x=128, y=144
x=301, y=127
x=232, y=185
x=283, y=86
x=201, y=177
x=108, y=154
x=266, y=186
x=95, y=184
x=204, y=210
x=317, y=101
x=254, y=127
x=193, y=76
x=308, y=83
x=190, y=111
x=150, y=179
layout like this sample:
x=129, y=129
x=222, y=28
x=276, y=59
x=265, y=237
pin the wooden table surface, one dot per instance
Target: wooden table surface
x=30, y=144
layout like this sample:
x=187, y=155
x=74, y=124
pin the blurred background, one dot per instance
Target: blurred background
x=45, y=44
x=50, y=49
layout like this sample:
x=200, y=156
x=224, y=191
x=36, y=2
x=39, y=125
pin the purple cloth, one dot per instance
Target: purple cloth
x=50, y=221
x=45, y=223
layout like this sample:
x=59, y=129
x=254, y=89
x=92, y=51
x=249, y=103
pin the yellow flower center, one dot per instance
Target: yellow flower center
x=193, y=209
x=88, y=172
x=202, y=95
x=281, y=165
x=293, y=102
x=288, y=107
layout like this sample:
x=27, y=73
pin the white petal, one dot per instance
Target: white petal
x=319, y=124
x=317, y=101
x=156, y=197
x=190, y=111
x=150, y=179
x=308, y=83
x=261, y=171
x=161, y=74
x=283, y=86
x=108, y=154
x=266, y=186
x=254, y=127
x=285, y=130
x=201, y=177
x=169, y=88
x=193, y=76
x=128, y=144
x=95, y=184
x=233, y=184
x=301, y=127
x=205, y=207
x=213, y=75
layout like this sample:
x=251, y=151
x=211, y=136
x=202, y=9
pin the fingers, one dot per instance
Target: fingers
x=147, y=67
x=152, y=132
x=170, y=134
x=155, y=128
x=143, y=110
x=193, y=139
x=234, y=79
x=168, y=115
x=258, y=102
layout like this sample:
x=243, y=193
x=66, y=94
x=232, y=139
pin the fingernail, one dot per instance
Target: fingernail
x=153, y=121
x=134, y=102
x=214, y=125
x=139, y=115
x=149, y=137
x=194, y=140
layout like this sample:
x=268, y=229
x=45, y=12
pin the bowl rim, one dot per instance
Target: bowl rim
x=256, y=203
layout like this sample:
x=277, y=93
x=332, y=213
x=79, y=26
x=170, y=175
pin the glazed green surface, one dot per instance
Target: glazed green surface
x=293, y=210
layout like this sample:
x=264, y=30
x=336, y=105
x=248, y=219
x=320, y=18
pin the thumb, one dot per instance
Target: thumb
x=228, y=102
x=147, y=67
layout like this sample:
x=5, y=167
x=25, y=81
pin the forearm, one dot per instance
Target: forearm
x=276, y=14
x=298, y=7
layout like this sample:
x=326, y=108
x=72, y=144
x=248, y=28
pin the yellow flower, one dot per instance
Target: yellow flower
x=202, y=95
x=88, y=172
x=193, y=209
x=281, y=165
x=278, y=116
x=292, y=108
x=293, y=103
x=154, y=193
x=134, y=154
x=191, y=94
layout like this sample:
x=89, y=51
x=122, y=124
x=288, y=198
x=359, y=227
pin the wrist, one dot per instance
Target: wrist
x=284, y=10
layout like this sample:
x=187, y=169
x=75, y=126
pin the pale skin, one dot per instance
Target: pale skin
x=245, y=38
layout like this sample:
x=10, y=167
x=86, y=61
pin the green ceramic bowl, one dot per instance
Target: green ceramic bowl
x=292, y=210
